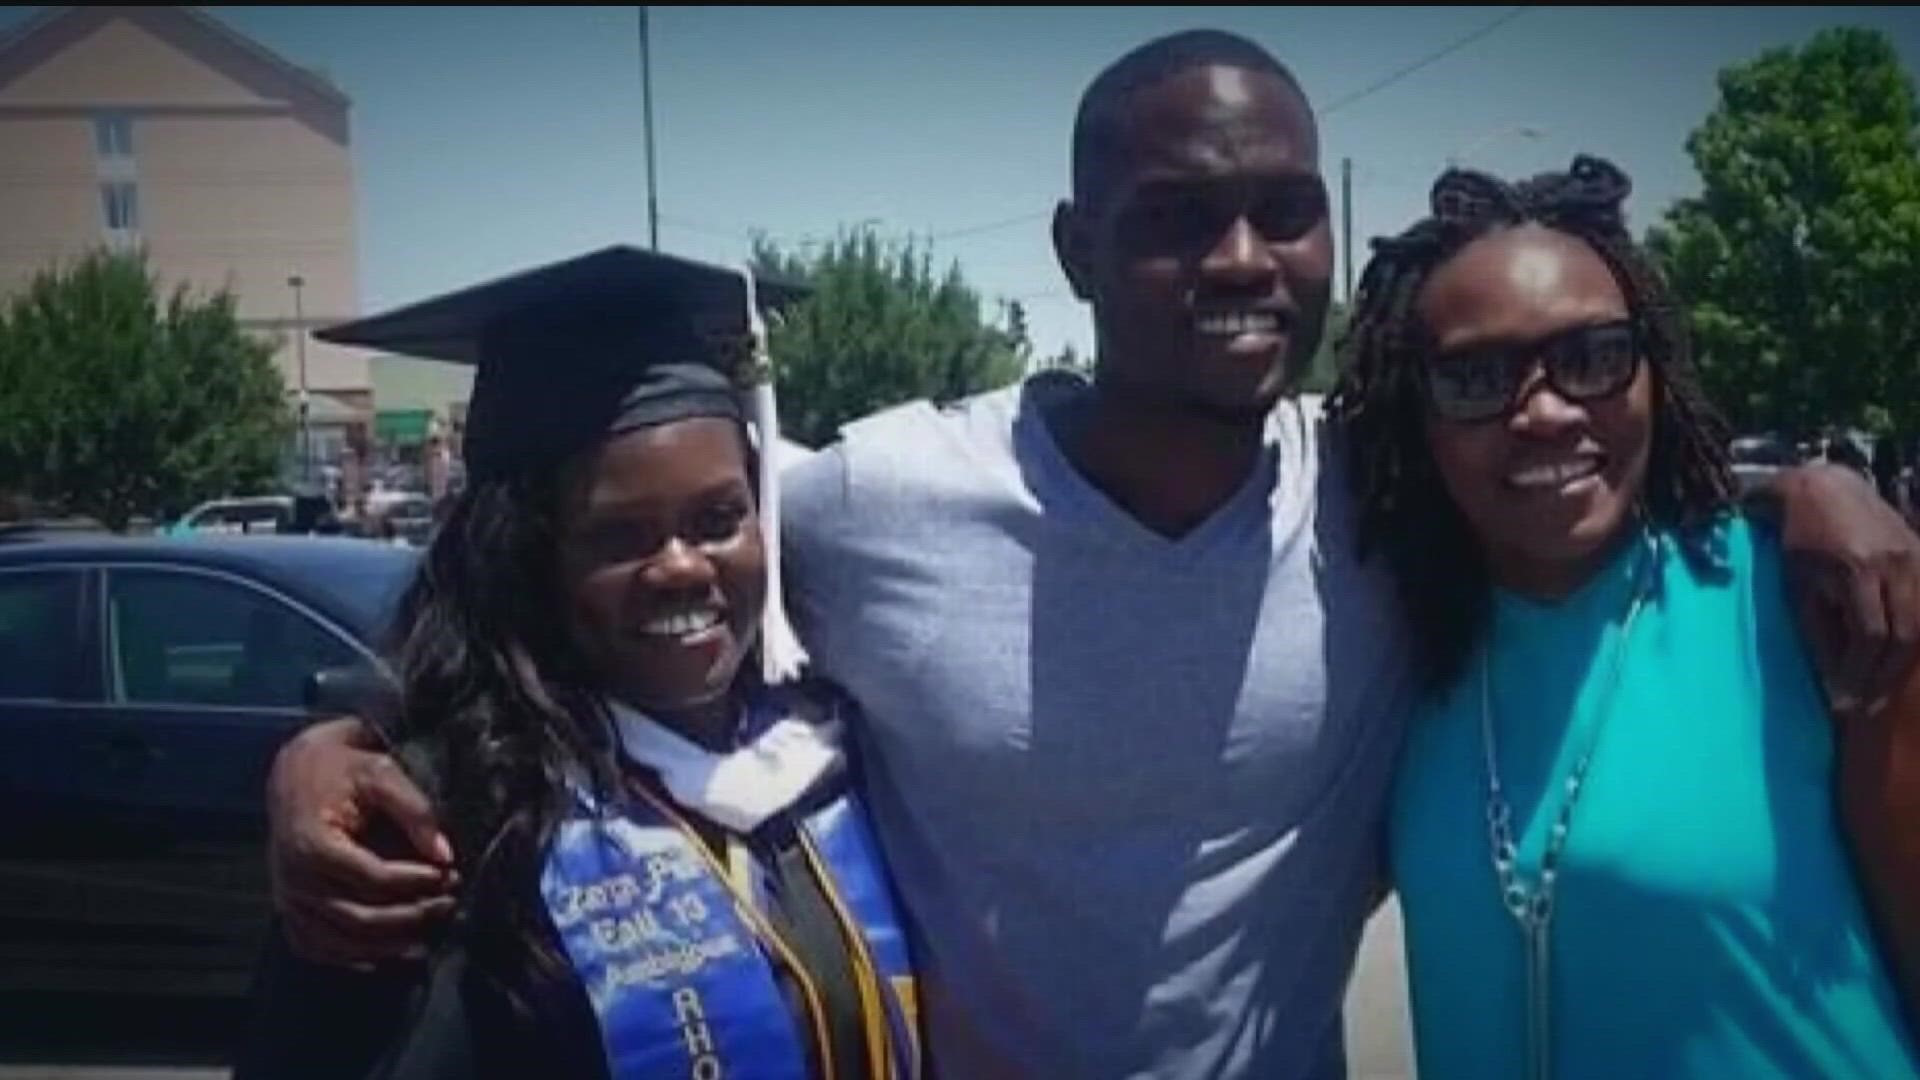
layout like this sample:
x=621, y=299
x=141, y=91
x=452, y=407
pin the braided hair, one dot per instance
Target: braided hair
x=1380, y=407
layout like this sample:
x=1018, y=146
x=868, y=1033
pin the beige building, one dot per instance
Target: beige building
x=160, y=127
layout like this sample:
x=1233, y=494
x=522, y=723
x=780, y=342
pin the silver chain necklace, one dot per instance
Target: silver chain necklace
x=1531, y=904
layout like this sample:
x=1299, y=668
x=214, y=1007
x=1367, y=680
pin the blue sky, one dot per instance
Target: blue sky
x=489, y=139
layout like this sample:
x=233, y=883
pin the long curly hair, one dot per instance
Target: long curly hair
x=1380, y=407
x=509, y=708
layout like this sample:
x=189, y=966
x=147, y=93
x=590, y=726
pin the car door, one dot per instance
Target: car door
x=202, y=674
x=49, y=697
x=43, y=673
x=205, y=671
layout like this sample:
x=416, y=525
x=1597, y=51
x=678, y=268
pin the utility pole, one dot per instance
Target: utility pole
x=646, y=98
x=296, y=281
x=1346, y=227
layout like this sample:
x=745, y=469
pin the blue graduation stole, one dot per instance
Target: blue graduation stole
x=681, y=968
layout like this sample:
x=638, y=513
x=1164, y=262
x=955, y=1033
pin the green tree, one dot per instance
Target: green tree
x=1800, y=259
x=1069, y=358
x=1324, y=370
x=114, y=404
x=881, y=327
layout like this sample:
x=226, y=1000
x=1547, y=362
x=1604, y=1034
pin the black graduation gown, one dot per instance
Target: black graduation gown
x=446, y=1019
x=442, y=1019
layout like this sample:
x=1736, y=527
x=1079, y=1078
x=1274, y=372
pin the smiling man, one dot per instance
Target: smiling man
x=1132, y=813
x=1213, y=168
x=1126, y=760
x=1130, y=699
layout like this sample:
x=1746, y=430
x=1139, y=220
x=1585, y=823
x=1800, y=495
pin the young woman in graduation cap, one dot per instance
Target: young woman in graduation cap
x=663, y=870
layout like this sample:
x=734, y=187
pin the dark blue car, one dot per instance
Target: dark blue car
x=144, y=687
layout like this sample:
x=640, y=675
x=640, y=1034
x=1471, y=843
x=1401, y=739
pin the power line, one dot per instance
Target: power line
x=1372, y=88
x=1375, y=87
x=989, y=226
x=1431, y=58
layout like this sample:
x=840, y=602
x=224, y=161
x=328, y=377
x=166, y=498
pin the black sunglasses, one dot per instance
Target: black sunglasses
x=1581, y=364
x=1183, y=218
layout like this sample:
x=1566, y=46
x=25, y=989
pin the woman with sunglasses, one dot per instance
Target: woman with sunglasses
x=1614, y=831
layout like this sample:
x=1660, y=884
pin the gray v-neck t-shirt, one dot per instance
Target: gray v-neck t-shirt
x=1130, y=787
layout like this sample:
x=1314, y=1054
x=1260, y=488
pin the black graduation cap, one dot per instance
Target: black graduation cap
x=573, y=352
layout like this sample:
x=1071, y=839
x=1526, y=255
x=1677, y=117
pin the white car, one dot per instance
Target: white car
x=251, y=514
x=382, y=498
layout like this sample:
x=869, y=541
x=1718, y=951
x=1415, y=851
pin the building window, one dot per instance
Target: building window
x=120, y=201
x=113, y=136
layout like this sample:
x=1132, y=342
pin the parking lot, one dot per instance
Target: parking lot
x=174, y=1042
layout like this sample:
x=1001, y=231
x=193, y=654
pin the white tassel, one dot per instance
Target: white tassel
x=781, y=656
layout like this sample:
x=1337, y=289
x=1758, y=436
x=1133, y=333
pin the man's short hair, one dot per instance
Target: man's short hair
x=1099, y=130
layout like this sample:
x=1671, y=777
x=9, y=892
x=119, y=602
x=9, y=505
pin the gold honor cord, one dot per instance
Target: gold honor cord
x=873, y=1007
x=743, y=902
